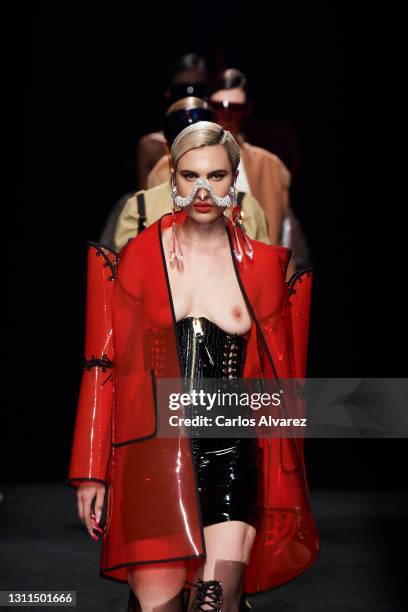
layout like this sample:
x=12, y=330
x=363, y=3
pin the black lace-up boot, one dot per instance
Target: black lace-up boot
x=208, y=596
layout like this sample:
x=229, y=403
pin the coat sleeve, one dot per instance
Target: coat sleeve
x=300, y=290
x=92, y=432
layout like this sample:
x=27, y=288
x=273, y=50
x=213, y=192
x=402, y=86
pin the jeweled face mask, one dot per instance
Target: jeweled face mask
x=201, y=183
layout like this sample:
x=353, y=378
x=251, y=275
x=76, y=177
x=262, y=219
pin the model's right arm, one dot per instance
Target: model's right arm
x=92, y=433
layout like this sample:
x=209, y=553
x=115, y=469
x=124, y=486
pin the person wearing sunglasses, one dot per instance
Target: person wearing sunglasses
x=261, y=173
x=136, y=211
x=187, y=76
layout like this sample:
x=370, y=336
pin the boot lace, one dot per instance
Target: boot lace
x=209, y=593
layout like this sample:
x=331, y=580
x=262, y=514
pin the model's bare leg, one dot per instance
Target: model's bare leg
x=228, y=545
x=157, y=588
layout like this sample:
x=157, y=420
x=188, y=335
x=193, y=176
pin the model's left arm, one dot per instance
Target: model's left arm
x=92, y=433
x=300, y=292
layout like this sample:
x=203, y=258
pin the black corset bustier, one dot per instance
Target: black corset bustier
x=207, y=351
x=228, y=470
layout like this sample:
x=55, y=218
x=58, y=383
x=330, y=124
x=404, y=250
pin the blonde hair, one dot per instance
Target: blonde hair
x=203, y=134
x=186, y=104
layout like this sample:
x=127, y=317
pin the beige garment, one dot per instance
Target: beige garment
x=158, y=202
x=268, y=178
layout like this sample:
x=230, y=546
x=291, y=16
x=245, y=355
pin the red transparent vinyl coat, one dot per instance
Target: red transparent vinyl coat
x=153, y=512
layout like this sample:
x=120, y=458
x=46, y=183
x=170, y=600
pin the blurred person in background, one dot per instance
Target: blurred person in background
x=187, y=76
x=262, y=173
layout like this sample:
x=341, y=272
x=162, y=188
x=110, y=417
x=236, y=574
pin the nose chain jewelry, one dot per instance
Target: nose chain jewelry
x=200, y=183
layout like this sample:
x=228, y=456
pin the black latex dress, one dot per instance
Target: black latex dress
x=228, y=470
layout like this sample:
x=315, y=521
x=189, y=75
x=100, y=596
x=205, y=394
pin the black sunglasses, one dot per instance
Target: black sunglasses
x=175, y=122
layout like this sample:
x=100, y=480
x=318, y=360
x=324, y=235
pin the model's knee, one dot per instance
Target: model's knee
x=231, y=540
x=156, y=587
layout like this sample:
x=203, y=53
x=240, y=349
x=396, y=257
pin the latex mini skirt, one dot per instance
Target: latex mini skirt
x=228, y=470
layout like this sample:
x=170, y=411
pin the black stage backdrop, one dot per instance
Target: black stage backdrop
x=91, y=79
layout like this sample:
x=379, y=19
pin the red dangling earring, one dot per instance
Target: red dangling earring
x=247, y=245
x=176, y=253
x=237, y=222
x=235, y=239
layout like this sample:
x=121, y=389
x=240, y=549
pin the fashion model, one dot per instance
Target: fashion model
x=191, y=297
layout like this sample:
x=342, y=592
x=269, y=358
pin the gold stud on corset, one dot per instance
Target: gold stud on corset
x=230, y=354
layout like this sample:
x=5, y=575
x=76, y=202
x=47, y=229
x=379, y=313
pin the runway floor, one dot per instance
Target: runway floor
x=362, y=565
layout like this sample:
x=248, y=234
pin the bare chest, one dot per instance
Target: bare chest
x=206, y=285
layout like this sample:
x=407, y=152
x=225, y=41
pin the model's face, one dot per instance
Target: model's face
x=213, y=164
x=230, y=108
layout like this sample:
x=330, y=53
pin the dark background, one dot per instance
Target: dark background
x=89, y=84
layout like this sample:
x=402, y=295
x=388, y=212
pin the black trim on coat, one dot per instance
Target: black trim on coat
x=150, y=562
x=148, y=436
x=296, y=276
x=173, y=315
x=112, y=265
x=104, y=362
